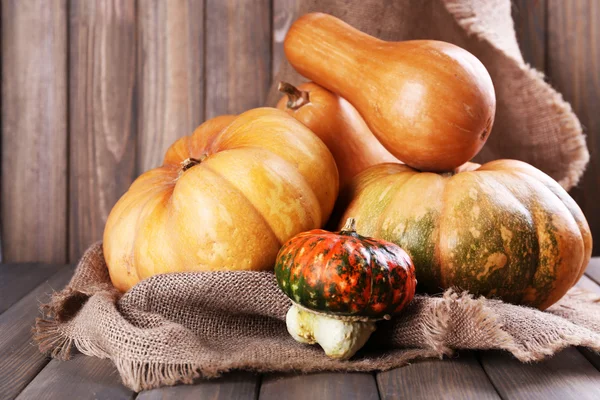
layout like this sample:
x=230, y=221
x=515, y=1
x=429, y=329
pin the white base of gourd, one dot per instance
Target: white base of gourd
x=339, y=338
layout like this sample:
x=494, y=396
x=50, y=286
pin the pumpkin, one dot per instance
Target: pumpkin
x=338, y=124
x=340, y=284
x=225, y=198
x=504, y=229
x=430, y=103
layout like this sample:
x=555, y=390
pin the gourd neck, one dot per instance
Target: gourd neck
x=316, y=53
x=296, y=97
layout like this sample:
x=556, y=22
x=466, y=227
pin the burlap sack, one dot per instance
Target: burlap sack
x=176, y=327
x=173, y=328
x=533, y=123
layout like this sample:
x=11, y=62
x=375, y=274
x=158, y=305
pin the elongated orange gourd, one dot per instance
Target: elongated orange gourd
x=225, y=198
x=430, y=103
x=338, y=124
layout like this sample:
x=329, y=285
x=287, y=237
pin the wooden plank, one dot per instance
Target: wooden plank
x=17, y=280
x=573, y=65
x=80, y=378
x=34, y=130
x=593, y=270
x=456, y=378
x=567, y=375
x=285, y=12
x=170, y=75
x=330, y=385
x=233, y=386
x=588, y=284
x=238, y=55
x=102, y=123
x=21, y=360
x=530, y=24
x=592, y=286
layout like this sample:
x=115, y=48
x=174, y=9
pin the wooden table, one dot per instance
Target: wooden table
x=27, y=374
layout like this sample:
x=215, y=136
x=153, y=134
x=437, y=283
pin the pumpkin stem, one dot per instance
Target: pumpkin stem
x=349, y=226
x=296, y=97
x=191, y=162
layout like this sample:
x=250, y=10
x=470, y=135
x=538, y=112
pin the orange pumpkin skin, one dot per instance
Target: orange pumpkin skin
x=258, y=179
x=503, y=229
x=338, y=124
x=430, y=103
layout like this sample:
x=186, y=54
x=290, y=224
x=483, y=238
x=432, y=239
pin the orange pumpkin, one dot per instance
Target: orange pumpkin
x=503, y=229
x=225, y=198
x=430, y=103
x=338, y=124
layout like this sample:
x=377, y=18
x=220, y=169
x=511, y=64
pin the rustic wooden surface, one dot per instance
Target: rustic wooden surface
x=21, y=361
x=238, y=55
x=573, y=62
x=170, y=75
x=101, y=106
x=34, y=130
x=27, y=374
x=458, y=378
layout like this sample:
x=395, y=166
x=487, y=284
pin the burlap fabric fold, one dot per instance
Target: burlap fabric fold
x=176, y=327
x=533, y=123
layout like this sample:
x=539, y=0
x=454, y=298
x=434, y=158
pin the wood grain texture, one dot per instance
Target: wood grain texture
x=567, y=375
x=238, y=55
x=34, y=130
x=170, y=75
x=457, y=378
x=593, y=270
x=21, y=360
x=529, y=17
x=80, y=378
x=232, y=386
x=102, y=123
x=588, y=284
x=572, y=67
x=331, y=386
x=17, y=280
x=285, y=12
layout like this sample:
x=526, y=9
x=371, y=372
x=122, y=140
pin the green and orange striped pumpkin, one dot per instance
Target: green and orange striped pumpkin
x=345, y=274
x=503, y=229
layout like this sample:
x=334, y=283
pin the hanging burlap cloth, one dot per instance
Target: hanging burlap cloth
x=176, y=327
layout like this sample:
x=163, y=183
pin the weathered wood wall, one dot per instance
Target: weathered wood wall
x=93, y=91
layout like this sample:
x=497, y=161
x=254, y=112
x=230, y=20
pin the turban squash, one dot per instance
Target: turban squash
x=226, y=198
x=503, y=229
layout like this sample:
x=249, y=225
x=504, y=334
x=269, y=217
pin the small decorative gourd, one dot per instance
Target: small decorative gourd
x=340, y=284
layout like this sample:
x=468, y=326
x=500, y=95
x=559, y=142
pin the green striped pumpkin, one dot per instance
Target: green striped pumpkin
x=504, y=230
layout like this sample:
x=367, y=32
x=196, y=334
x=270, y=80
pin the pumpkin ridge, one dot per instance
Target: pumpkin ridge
x=526, y=208
x=289, y=164
x=549, y=226
x=262, y=217
x=393, y=191
x=576, y=218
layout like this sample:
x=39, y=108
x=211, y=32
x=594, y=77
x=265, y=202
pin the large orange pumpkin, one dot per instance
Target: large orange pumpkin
x=225, y=198
x=338, y=124
x=504, y=229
